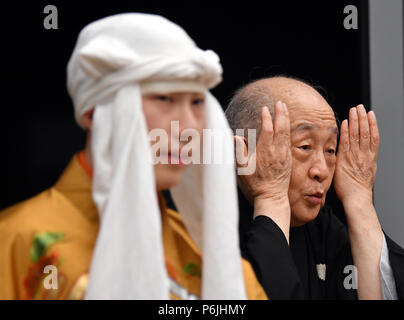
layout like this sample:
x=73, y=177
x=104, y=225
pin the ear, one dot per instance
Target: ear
x=104, y=55
x=88, y=119
x=240, y=150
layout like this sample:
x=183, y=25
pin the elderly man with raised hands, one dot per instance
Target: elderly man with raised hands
x=297, y=246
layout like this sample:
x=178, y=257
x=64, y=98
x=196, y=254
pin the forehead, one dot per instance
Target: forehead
x=308, y=111
x=175, y=93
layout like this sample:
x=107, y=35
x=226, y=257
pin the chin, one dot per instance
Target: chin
x=302, y=215
x=167, y=178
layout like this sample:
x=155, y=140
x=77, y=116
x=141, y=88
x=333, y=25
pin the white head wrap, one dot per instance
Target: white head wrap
x=112, y=58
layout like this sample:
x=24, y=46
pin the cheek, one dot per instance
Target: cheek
x=150, y=114
x=331, y=167
x=330, y=176
x=297, y=179
x=155, y=118
x=200, y=118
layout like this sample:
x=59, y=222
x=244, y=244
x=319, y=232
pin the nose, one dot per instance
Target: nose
x=188, y=117
x=319, y=170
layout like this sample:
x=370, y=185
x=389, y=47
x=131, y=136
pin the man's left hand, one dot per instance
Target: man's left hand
x=355, y=174
x=356, y=165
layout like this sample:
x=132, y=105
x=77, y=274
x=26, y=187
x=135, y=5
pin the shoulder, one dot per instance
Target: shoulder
x=16, y=233
x=20, y=216
x=43, y=230
x=32, y=213
x=46, y=215
x=20, y=223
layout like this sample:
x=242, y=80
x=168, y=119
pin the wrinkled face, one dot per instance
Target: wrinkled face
x=314, y=135
x=188, y=108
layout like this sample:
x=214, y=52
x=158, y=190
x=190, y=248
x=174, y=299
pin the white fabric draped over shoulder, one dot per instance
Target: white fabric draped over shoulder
x=112, y=58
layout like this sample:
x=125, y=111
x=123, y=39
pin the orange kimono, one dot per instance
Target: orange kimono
x=58, y=228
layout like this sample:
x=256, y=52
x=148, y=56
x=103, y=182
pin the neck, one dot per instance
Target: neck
x=87, y=149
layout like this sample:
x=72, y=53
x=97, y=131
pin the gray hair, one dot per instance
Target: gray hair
x=244, y=109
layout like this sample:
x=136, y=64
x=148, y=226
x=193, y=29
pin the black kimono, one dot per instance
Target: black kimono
x=313, y=266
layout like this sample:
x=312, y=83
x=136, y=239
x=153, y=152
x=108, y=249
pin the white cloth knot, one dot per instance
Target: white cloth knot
x=209, y=63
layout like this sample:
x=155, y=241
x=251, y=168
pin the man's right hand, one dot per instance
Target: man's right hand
x=268, y=186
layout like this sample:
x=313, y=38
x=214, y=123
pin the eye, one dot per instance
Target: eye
x=331, y=151
x=163, y=98
x=198, y=102
x=304, y=147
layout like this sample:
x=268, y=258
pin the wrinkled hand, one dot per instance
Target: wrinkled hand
x=355, y=174
x=272, y=157
x=356, y=166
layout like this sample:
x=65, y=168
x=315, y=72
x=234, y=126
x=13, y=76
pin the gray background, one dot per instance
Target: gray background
x=386, y=88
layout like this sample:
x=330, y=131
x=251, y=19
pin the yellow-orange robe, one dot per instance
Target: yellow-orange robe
x=59, y=227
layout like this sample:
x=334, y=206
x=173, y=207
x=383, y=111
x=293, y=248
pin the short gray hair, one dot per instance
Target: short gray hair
x=244, y=110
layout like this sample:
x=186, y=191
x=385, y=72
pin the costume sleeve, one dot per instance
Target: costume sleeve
x=396, y=262
x=13, y=265
x=266, y=248
x=388, y=284
x=7, y=288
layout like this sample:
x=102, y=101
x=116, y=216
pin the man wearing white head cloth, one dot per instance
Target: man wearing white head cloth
x=104, y=226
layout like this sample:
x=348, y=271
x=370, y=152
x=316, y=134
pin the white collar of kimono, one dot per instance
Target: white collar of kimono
x=112, y=57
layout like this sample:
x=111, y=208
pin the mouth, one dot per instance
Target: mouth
x=174, y=159
x=314, y=198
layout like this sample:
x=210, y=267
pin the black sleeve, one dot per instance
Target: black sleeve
x=266, y=247
x=338, y=242
x=396, y=257
x=338, y=256
x=340, y=284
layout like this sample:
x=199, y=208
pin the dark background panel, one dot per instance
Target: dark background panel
x=254, y=39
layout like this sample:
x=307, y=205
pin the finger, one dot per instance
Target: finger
x=287, y=124
x=267, y=130
x=353, y=129
x=281, y=124
x=344, y=138
x=374, y=132
x=364, y=138
x=240, y=152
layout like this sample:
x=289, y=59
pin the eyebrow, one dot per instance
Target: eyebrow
x=308, y=127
